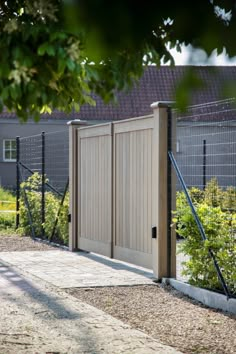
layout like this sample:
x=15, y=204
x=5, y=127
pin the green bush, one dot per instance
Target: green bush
x=219, y=225
x=32, y=188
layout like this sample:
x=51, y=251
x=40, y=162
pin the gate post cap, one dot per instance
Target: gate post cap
x=162, y=104
x=77, y=122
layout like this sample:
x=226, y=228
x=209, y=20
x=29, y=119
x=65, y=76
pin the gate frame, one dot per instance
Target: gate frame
x=74, y=174
x=163, y=249
x=164, y=195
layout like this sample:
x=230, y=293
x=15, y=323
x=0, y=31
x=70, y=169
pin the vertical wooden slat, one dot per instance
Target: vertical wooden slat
x=95, y=200
x=116, y=181
x=123, y=154
x=96, y=191
x=130, y=189
x=149, y=167
x=141, y=206
x=102, y=169
x=145, y=194
x=119, y=192
x=138, y=192
x=134, y=193
x=127, y=196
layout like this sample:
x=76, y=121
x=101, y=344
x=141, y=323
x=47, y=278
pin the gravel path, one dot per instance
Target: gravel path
x=167, y=315
x=161, y=312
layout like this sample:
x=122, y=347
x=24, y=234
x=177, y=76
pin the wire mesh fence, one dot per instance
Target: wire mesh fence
x=206, y=159
x=42, y=185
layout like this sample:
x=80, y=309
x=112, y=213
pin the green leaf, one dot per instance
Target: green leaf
x=70, y=64
x=5, y=93
x=50, y=50
x=42, y=49
x=14, y=91
x=61, y=65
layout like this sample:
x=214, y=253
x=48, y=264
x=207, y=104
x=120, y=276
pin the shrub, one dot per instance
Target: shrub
x=220, y=228
x=32, y=188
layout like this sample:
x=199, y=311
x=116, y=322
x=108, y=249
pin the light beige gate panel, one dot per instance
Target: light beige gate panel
x=132, y=188
x=118, y=191
x=95, y=189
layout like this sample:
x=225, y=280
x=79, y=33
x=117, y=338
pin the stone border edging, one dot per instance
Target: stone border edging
x=50, y=243
x=206, y=297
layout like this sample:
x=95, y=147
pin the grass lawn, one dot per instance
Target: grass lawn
x=7, y=210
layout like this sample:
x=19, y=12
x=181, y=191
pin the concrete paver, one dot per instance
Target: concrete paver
x=65, y=269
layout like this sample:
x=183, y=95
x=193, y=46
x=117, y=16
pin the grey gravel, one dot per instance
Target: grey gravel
x=167, y=315
x=11, y=243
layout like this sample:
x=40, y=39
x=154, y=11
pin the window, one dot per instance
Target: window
x=9, y=150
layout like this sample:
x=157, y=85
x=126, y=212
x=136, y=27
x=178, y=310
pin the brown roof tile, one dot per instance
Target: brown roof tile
x=156, y=84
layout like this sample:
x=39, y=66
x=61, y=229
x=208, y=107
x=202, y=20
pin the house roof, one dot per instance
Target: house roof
x=156, y=84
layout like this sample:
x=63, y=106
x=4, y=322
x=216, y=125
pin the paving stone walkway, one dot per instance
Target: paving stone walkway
x=37, y=316
x=68, y=270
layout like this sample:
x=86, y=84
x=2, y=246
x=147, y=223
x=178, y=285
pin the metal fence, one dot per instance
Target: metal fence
x=42, y=184
x=206, y=162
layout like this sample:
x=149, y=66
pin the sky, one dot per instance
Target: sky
x=198, y=57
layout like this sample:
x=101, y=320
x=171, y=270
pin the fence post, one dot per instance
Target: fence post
x=74, y=174
x=43, y=184
x=163, y=247
x=17, y=181
x=204, y=164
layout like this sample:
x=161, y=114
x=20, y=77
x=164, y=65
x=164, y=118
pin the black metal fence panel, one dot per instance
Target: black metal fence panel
x=42, y=185
x=206, y=159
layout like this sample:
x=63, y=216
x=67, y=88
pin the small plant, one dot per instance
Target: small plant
x=213, y=194
x=229, y=199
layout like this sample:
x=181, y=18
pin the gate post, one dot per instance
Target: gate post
x=163, y=194
x=43, y=185
x=74, y=175
x=17, y=181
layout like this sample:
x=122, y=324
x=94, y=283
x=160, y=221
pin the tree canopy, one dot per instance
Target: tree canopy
x=54, y=53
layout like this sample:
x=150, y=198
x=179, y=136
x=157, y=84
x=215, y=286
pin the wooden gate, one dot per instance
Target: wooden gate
x=118, y=190
x=132, y=176
x=95, y=189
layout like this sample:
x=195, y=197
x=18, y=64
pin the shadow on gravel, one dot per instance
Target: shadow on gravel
x=46, y=306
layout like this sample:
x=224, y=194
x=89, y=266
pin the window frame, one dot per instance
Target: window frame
x=11, y=149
